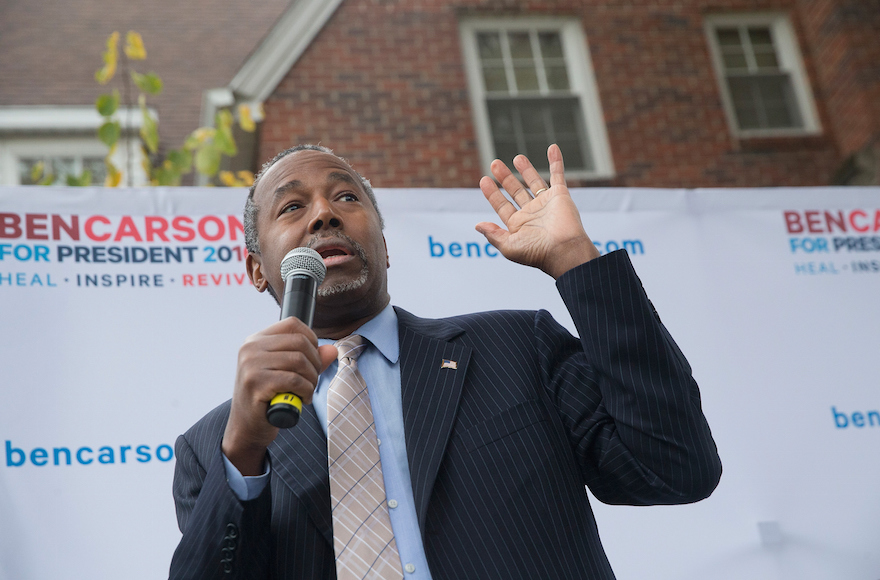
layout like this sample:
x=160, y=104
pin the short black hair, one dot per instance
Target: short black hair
x=251, y=238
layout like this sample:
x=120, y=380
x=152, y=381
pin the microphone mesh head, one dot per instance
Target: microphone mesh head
x=303, y=261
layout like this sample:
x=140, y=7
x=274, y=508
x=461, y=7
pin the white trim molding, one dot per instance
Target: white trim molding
x=286, y=42
x=789, y=62
x=51, y=119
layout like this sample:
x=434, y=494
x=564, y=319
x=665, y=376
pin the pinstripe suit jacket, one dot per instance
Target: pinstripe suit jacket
x=499, y=449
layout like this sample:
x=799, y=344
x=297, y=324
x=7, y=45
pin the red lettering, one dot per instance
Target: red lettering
x=187, y=280
x=240, y=281
x=156, y=226
x=832, y=220
x=203, y=230
x=235, y=226
x=217, y=279
x=72, y=229
x=181, y=224
x=793, y=222
x=203, y=279
x=877, y=220
x=31, y=226
x=852, y=220
x=10, y=225
x=813, y=222
x=90, y=233
x=127, y=229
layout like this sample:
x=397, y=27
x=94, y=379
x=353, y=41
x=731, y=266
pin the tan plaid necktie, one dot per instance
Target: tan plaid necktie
x=362, y=535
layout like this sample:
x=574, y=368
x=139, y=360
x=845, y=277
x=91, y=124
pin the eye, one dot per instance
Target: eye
x=290, y=207
x=348, y=196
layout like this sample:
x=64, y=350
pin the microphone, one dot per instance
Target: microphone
x=302, y=270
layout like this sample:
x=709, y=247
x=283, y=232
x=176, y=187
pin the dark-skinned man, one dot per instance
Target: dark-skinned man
x=485, y=427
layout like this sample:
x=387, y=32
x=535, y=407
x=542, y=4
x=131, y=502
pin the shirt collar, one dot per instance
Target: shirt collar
x=381, y=332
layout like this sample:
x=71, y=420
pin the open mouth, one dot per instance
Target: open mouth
x=333, y=252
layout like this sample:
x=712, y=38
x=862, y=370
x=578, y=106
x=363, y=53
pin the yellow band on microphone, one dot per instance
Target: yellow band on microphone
x=287, y=399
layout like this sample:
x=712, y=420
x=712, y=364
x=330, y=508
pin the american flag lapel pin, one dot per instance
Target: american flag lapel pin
x=449, y=364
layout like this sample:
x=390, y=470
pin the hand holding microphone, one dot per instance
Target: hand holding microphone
x=302, y=270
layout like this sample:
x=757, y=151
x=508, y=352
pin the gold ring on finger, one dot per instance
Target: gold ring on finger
x=540, y=191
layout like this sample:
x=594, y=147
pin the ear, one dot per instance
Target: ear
x=254, y=266
x=387, y=258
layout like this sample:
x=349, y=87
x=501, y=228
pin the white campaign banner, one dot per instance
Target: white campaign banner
x=123, y=311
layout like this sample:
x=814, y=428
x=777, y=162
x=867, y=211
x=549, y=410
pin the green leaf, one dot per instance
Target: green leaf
x=149, y=83
x=80, y=181
x=208, y=160
x=225, y=142
x=108, y=103
x=37, y=171
x=150, y=132
x=166, y=175
x=180, y=160
x=109, y=133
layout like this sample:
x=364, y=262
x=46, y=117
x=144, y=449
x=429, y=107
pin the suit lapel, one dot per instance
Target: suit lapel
x=299, y=458
x=431, y=392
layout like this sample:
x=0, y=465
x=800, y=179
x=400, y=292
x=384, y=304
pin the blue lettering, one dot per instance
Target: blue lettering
x=39, y=456
x=434, y=246
x=79, y=455
x=57, y=451
x=838, y=417
x=476, y=248
x=872, y=416
x=122, y=450
x=858, y=420
x=106, y=455
x=808, y=245
x=159, y=453
x=143, y=452
x=14, y=452
x=455, y=250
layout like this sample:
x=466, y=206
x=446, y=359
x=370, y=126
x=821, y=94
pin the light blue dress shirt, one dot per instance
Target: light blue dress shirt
x=380, y=366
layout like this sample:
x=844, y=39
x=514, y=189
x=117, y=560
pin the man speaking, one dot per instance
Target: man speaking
x=448, y=449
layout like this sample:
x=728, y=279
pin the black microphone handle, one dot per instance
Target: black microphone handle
x=298, y=301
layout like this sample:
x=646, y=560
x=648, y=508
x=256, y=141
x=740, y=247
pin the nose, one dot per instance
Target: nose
x=323, y=216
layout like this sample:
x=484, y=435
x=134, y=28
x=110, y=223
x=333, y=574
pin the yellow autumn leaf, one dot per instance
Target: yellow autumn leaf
x=111, y=54
x=134, y=46
x=246, y=178
x=114, y=176
x=228, y=179
x=246, y=119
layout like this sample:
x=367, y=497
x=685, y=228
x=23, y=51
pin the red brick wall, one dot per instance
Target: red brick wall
x=383, y=84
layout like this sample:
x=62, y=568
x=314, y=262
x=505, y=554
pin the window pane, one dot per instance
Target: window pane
x=489, y=44
x=764, y=102
x=551, y=45
x=495, y=79
x=97, y=167
x=520, y=44
x=728, y=37
x=557, y=77
x=760, y=36
x=537, y=123
x=766, y=60
x=25, y=167
x=734, y=59
x=62, y=167
x=526, y=77
x=778, y=101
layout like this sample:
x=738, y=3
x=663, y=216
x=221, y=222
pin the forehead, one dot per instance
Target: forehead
x=305, y=167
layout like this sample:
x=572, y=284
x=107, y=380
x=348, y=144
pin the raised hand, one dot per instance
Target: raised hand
x=545, y=230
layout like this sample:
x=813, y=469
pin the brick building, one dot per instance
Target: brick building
x=643, y=93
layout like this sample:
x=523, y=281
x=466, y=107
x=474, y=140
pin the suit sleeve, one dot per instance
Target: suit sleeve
x=223, y=537
x=625, y=395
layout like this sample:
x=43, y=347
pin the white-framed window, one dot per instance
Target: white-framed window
x=64, y=140
x=764, y=86
x=532, y=84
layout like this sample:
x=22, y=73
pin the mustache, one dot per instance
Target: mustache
x=359, y=249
